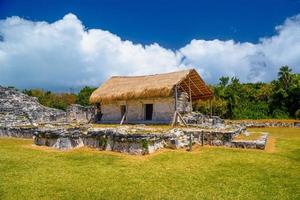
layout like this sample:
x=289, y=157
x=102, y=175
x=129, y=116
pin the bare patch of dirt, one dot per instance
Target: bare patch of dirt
x=270, y=147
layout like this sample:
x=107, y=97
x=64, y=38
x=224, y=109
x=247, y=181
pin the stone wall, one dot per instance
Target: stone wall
x=60, y=138
x=251, y=144
x=163, y=110
x=17, y=132
x=183, y=103
x=81, y=114
x=18, y=109
x=200, y=120
x=264, y=123
x=139, y=143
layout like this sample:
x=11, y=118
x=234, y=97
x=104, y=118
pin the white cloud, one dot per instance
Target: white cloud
x=250, y=62
x=64, y=54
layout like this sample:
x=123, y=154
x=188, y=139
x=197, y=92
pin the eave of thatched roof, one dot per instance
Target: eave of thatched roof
x=151, y=86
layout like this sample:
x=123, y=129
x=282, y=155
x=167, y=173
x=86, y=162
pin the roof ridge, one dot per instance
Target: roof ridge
x=153, y=74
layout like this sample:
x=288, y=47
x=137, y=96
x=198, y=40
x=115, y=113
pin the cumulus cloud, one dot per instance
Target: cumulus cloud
x=247, y=61
x=65, y=54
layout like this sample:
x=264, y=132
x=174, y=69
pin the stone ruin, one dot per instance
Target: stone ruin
x=139, y=142
x=22, y=116
x=20, y=110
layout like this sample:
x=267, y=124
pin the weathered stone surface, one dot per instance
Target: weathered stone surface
x=183, y=103
x=60, y=138
x=81, y=114
x=18, y=132
x=18, y=109
x=251, y=144
x=262, y=124
x=205, y=121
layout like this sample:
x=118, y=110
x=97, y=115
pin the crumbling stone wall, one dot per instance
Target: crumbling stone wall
x=81, y=114
x=119, y=140
x=183, y=103
x=18, y=109
x=17, y=132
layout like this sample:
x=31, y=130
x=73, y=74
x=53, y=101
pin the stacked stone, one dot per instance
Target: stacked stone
x=251, y=144
x=18, y=109
x=205, y=121
x=183, y=103
x=81, y=114
x=61, y=138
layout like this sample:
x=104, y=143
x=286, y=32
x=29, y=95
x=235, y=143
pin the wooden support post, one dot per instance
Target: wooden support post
x=125, y=114
x=210, y=104
x=123, y=118
x=175, y=119
x=176, y=100
x=202, y=138
x=190, y=95
x=181, y=118
x=191, y=142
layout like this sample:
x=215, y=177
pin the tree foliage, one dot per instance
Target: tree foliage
x=232, y=99
x=235, y=100
x=84, y=95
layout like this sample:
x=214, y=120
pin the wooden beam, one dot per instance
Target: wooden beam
x=176, y=94
x=123, y=118
x=182, y=120
x=188, y=87
x=190, y=95
x=196, y=86
x=174, y=120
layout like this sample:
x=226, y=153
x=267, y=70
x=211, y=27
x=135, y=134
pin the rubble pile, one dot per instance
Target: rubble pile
x=18, y=109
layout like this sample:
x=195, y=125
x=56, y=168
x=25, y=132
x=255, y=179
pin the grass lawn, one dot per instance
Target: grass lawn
x=253, y=136
x=28, y=172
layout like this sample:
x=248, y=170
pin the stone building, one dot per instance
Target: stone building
x=151, y=99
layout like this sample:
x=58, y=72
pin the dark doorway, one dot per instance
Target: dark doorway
x=98, y=113
x=148, y=111
x=123, y=111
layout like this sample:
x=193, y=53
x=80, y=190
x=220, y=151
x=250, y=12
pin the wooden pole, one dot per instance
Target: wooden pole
x=210, y=103
x=202, y=138
x=191, y=143
x=176, y=101
x=190, y=95
x=181, y=118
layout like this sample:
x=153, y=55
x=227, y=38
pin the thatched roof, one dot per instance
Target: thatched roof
x=151, y=86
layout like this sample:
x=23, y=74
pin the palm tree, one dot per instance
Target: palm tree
x=285, y=76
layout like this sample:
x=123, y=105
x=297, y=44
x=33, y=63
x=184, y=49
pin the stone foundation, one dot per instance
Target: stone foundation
x=18, y=132
x=81, y=114
x=120, y=140
x=263, y=124
x=63, y=139
x=251, y=144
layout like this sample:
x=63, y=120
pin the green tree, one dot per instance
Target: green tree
x=84, y=95
x=285, y=76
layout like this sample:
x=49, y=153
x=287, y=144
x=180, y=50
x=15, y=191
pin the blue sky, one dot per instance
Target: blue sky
x=169, y=23
x=62, y=44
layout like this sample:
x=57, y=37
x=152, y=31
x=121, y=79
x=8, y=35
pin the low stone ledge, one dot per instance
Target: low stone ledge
x=18, y=132
x=63, y=139
x=119, y=140
x=251, y=144
x=113, y=140
x=263, y=124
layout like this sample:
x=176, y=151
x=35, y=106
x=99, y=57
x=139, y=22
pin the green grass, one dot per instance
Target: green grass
x=28, y=172
x=253, y=136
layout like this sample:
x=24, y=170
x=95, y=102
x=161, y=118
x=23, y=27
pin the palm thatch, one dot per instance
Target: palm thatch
x=151, y=86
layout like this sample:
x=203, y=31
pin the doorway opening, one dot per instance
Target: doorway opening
x=123, y=112
x=148, y=111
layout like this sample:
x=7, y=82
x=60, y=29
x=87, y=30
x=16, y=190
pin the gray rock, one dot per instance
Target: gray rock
x=18, y=109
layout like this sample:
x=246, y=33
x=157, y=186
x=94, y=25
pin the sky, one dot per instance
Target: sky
x=58, y=45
